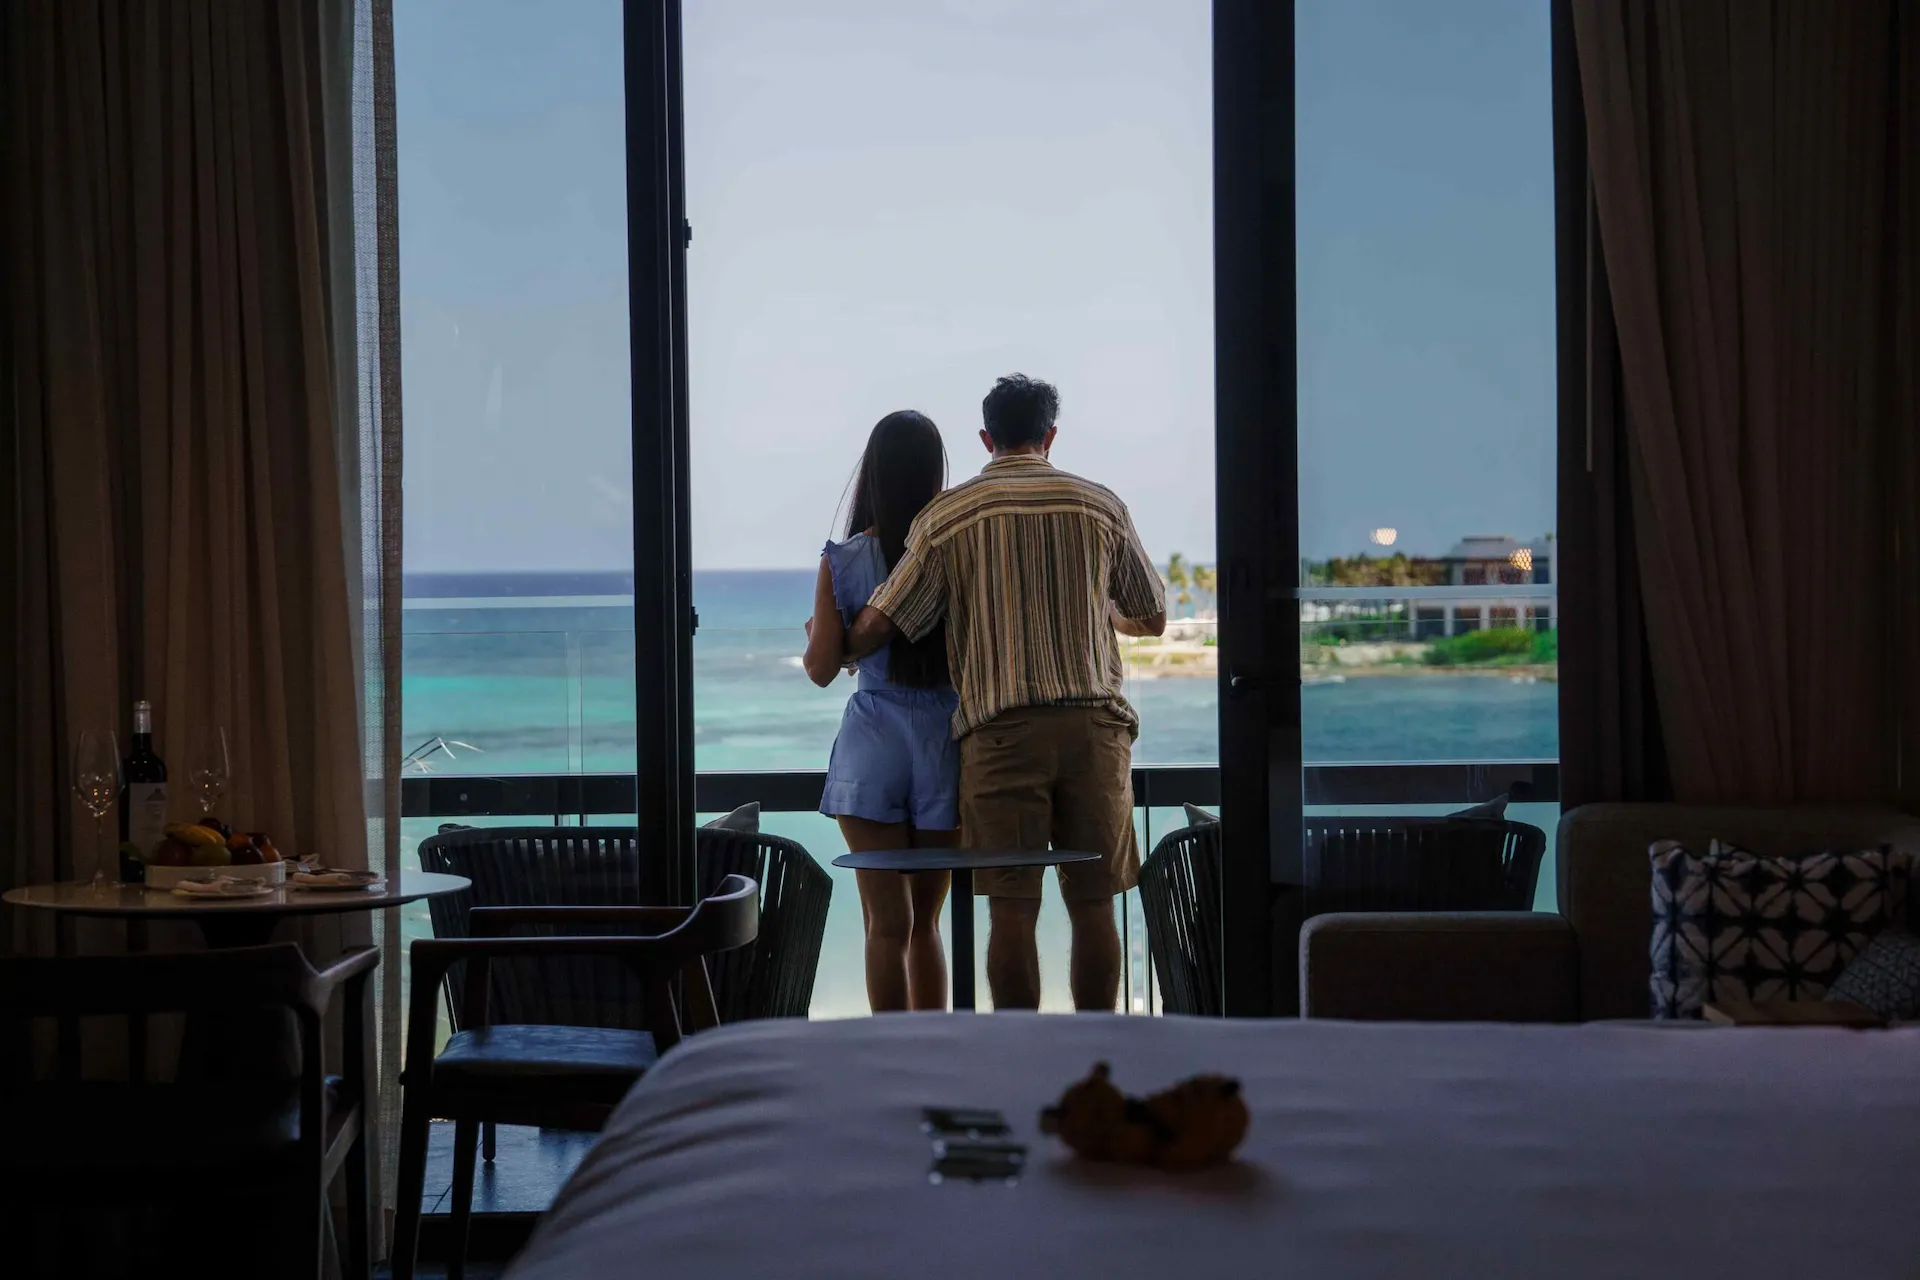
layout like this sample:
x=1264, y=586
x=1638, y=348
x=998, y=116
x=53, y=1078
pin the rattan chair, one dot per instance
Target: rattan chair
x=1180, y=897
x=562, y=1077
x=600, y=866
x=1349, y=864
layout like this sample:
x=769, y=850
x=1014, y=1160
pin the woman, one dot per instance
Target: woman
x=893, y=781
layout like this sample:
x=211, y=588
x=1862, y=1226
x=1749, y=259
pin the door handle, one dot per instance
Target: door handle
x=1243, y=684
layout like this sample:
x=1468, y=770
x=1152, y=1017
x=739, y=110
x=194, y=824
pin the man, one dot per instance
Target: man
x=1034, y=570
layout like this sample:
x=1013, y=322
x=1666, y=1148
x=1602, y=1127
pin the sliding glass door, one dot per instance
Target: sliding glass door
x=1291, y=267
x=518, y=646
x=891, y=206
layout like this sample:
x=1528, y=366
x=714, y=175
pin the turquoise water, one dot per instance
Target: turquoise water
x=544, y=683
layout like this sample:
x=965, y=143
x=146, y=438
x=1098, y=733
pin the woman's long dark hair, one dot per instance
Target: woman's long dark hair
x=904, y=466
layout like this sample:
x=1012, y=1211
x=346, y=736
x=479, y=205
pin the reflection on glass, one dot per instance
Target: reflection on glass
x=1426, y=381
x=518, y=616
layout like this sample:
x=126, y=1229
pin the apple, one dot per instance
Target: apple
x=212, y=855
x=246, y=856
x=173, y=853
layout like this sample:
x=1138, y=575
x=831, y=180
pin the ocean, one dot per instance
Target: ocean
x=534, y=673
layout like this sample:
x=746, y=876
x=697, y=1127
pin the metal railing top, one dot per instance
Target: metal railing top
x=584, y=795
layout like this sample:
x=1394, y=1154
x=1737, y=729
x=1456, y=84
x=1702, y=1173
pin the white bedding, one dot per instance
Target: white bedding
x=787, y=1149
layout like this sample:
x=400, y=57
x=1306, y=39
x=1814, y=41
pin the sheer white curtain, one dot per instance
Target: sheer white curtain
x=369, y=311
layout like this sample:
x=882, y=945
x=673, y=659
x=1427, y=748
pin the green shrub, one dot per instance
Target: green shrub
x=1502, y=645
x=1546, y=647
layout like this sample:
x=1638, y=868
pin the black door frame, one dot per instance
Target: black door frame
x=1256, y=473
x=663, y=618
x=1256, y=446
x=1257, y=501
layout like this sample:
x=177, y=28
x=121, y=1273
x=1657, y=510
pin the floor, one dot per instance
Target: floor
x=528, y=1169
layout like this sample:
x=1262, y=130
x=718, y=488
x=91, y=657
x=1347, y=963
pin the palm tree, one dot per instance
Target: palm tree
x=1206, y=581
x=1178, y=579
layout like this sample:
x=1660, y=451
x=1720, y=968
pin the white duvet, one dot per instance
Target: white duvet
x=792, y=1149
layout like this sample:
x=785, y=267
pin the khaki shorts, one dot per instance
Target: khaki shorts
x=1060, y=777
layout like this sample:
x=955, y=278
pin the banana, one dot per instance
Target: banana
x=193, y=833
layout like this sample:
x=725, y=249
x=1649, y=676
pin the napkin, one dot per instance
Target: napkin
x=333, y=878
x=221, y=887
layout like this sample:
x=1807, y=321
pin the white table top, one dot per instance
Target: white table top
x=130, y=901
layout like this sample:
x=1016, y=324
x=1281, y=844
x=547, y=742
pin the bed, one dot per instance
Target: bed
x=1377, y=1149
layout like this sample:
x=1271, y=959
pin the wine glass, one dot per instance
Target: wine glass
x=209, y=768
x=96, y=781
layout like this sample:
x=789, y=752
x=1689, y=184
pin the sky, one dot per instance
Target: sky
x=893, y=203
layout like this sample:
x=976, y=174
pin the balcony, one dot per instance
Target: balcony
x=535, y=699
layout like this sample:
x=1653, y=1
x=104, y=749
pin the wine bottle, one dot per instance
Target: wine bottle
x=143, y=818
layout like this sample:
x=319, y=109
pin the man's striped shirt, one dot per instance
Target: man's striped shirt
x=1022, y=562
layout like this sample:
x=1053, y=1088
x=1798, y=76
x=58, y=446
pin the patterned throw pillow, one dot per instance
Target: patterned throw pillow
x=1885, y=977
x=1735, y=925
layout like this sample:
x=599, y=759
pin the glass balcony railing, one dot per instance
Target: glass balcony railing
x=525, y=716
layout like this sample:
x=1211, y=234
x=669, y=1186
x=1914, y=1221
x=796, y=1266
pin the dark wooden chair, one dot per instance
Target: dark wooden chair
x=543, y=1074
x=1349, y=864
x=193, y=1144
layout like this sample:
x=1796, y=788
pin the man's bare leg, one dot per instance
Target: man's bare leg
x=1095, y=970
x=1013, y=954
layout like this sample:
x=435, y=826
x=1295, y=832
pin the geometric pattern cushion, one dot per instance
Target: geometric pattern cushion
x=1885, y=977
x=1736, y=925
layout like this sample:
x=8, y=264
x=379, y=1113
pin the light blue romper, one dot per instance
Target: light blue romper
x=895, y=759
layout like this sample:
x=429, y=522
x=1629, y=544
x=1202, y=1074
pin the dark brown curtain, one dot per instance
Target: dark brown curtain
x=1740, y=163
x=1903, y=325
x=199, y=423
x=1610, y=745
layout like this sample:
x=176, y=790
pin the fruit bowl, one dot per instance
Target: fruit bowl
x=208, y=848
x=159, y=877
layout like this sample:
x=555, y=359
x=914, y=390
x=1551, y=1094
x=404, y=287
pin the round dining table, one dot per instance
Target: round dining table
x=963, y=863
x=228, y=922
x=239, y=1045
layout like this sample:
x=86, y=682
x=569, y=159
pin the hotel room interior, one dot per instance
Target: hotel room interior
x=1534, y=380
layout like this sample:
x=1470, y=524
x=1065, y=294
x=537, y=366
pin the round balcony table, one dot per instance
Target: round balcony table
x=238, y=1045
x=963, y=863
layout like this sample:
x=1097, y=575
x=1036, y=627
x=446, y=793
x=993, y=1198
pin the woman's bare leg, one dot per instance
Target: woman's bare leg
x=886, y=909
x=926, y=954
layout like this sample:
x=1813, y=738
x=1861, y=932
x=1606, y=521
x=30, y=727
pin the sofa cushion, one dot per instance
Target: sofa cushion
x=744, y=819
x=1885, y=977
x=1732, y=925
x=1601, y=855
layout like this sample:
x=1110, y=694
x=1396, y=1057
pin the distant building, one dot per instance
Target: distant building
x=1492, y=561
x=1478, y=561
